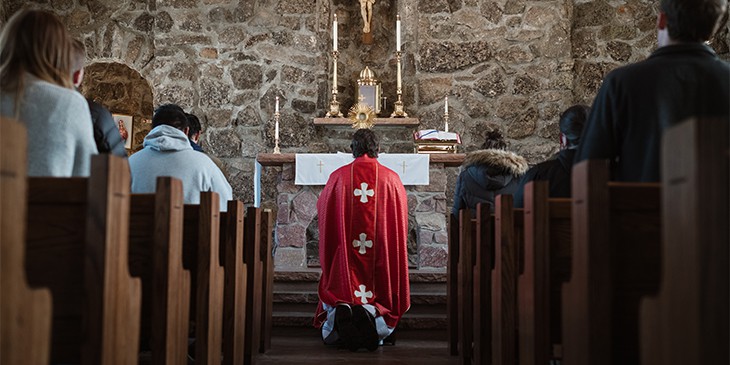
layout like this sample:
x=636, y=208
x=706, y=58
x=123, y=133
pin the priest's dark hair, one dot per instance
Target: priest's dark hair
x=170, y=114
x=364, y=141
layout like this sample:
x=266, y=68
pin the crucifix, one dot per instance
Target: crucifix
x=366, y=10
x=320, y=164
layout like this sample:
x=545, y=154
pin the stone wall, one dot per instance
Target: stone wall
x=507, y=64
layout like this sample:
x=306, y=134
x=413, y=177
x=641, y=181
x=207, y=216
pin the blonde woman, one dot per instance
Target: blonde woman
x=37, y=90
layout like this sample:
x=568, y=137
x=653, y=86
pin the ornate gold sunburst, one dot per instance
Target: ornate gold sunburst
x=362, y=116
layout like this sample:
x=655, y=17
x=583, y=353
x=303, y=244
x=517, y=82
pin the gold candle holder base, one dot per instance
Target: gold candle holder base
x=334, y=109
x=398, y=111
x=446, y=122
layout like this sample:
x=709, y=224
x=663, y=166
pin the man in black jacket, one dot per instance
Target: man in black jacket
x=106, y=133
x=636, y=103
x=557, y=170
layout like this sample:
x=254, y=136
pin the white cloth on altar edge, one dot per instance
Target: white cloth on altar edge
x=315, y=169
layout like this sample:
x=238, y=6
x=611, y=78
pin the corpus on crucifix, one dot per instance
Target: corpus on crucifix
x=366, y=10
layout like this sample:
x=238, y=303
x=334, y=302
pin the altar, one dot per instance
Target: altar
x=296, y=237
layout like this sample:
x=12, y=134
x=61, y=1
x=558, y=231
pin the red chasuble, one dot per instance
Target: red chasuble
x=363, y=228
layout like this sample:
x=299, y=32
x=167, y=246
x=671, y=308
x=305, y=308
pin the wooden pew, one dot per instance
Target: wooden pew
x=234, y=287
x=452, y=286
x=25, y=313
x=466, y=285
x=546, y=267
x=155, y=237
x=616, y=251
x=688, y=322
x=267, y=288
x=254, y=272
x=508, y=227
x=201, y=244
x=482, y=285
x=77, y=247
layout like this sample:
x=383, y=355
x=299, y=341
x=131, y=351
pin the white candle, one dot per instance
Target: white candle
x=397, y=33
x=276, y=120
x=334, y=34
x=446, y=105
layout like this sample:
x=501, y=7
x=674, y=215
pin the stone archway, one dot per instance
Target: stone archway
x=122, y=90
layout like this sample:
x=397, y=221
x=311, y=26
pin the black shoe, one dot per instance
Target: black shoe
x=345, y=327
x=390, y=340
x=365, y=323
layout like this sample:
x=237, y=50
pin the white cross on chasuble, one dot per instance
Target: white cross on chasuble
x=363, y=295
x=363, y=243
x=364, y=192
x=315, y=168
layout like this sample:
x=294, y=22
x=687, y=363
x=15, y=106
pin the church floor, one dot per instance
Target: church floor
x=304, y=346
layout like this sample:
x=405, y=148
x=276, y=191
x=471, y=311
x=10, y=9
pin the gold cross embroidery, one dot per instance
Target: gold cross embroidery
x=320, y=164
x=404, y=167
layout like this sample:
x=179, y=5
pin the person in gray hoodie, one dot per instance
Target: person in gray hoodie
x=167, y=152
x=487, y=173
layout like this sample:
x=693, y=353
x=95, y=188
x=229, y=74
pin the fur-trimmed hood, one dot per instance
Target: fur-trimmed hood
x=500, y=161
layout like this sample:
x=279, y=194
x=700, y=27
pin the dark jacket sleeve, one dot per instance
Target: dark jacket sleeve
x=106, y=133
x=598, y=140
x=458, y=196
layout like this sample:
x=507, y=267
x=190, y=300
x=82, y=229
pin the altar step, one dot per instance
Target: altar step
x=295, y=299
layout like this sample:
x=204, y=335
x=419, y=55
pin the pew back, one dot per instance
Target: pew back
x=689, y=322
x=78, y=247
x=155, y=235
x=615, y=263
x=25, y=313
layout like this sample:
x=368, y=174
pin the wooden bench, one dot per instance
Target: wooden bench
x=452, y=286
x=201, y=253
x=616, y=251
x=77, y=247
x=156, y=236
x=482, y=285
x=546, y=266
x=25, y=313
x=234, y=287
x=508, y=228
x=252, y=258
x=267, y=284
x=486, y=282
x=688, y=322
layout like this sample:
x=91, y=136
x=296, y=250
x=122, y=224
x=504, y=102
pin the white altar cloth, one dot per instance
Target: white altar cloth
x=315, y=169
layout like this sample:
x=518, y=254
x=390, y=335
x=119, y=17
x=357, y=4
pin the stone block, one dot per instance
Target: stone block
x=224, y=142
x=441, y=237
x=289, y=258
x=164, y=21
x=593, y=13
x=491, y=84
x=209, y=52
x=525, y=85
x=248, y=117
x=247, y=76
x=283, y=215
x=425, y=237
x=432, y=256
x=619, y=51
x=433, y=90
x=449, y=56
x=291, y=235
x=431, y=221
x=491, y=11
x=304, y=206
x=216, y=118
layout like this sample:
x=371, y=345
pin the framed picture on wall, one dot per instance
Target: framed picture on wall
x=125, y=126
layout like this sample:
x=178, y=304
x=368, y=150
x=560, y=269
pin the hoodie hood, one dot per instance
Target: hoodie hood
x=167, y=138
x=497, y=161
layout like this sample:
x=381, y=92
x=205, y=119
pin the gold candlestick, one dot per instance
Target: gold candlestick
x=446, y=122
x=398, y=111
x=276, y=133
x=334, y=104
